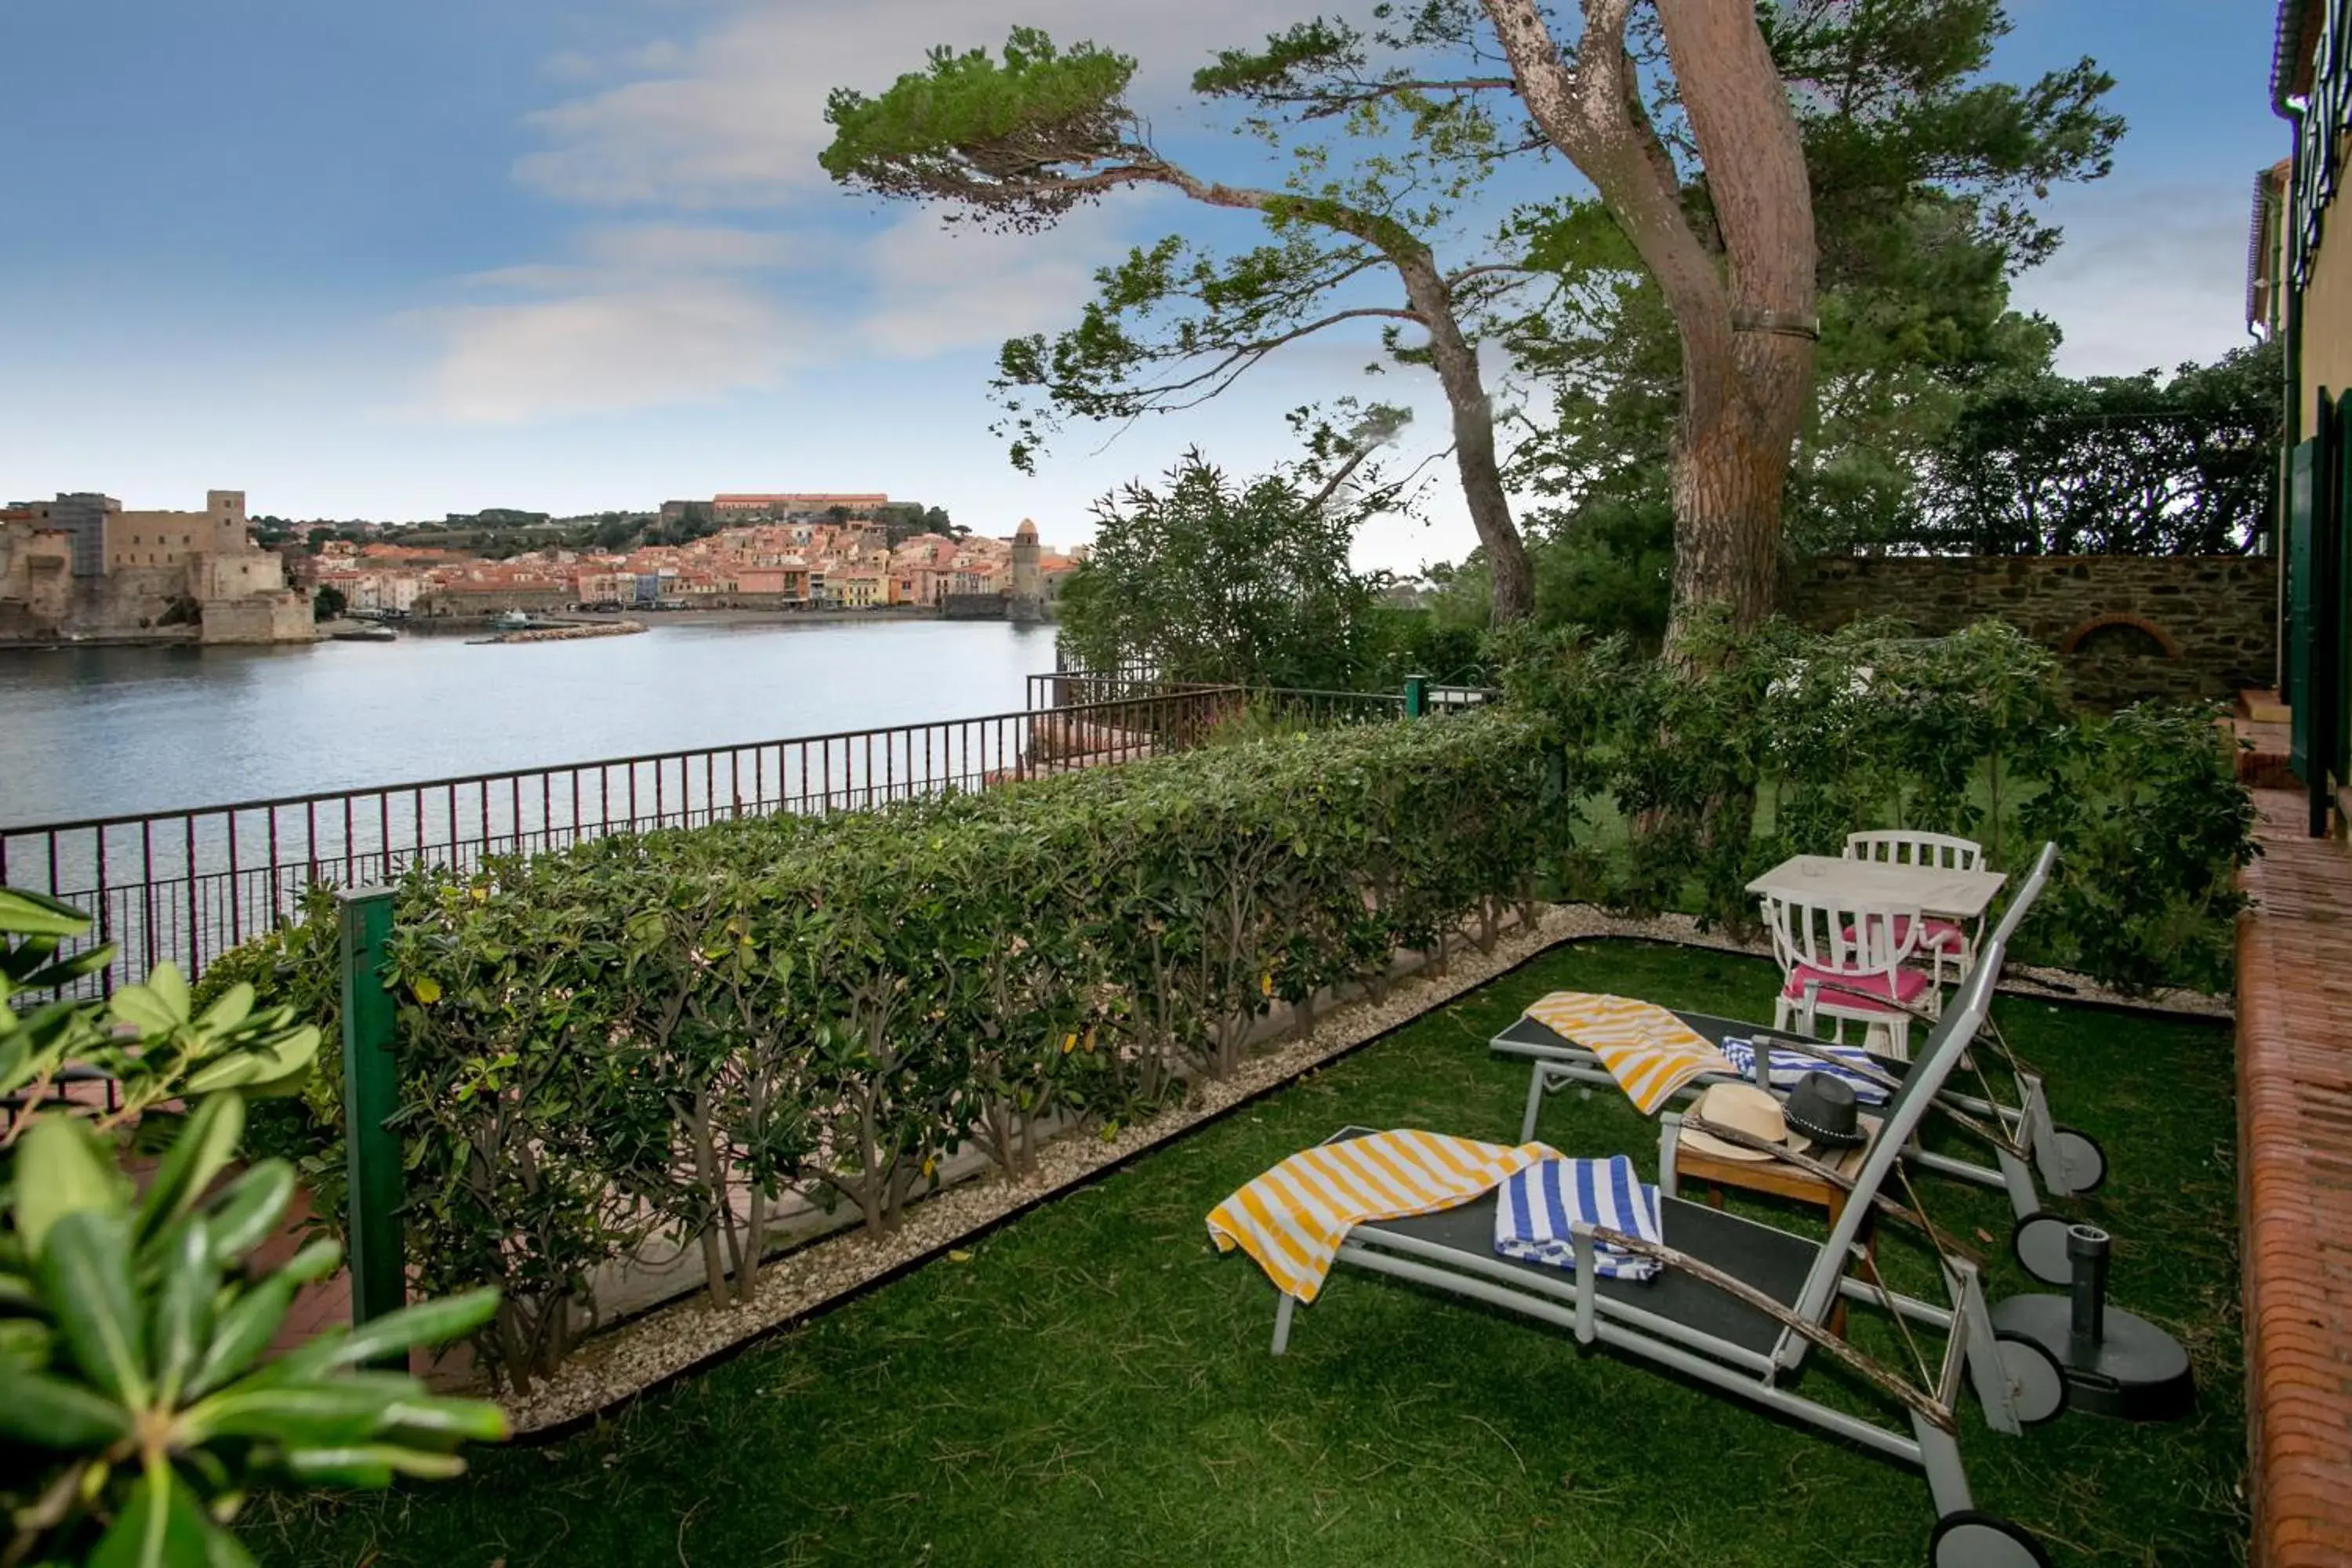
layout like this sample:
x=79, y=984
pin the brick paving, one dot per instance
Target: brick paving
x=2295, y=1136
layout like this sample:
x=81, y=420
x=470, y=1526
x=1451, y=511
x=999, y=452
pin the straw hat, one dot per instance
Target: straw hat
x=1744, y=1108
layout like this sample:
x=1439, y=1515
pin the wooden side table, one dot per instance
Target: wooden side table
x=1779, y=1180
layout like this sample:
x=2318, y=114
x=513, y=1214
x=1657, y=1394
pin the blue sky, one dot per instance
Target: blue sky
x=394, y=261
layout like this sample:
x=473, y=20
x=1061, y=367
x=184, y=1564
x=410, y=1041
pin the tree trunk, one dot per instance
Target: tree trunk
x=1745, y=319
x=1727, y=483
x=1511, y=581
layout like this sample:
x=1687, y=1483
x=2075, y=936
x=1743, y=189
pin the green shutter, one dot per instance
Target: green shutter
x=2302, y=469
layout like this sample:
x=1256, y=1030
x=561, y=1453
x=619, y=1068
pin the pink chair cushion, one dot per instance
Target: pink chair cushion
x=1934, y=932
x=1856, y=990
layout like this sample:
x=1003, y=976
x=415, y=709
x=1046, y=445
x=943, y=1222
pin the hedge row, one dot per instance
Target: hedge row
x=1781, y=741
x=664, y=1033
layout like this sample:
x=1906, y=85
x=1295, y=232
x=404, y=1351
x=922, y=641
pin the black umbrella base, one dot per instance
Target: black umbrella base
x=2135, y=1371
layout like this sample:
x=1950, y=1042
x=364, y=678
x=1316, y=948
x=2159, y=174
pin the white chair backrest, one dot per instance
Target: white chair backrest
x=1840, y=935
x=1905, y=846
x=2027, y=891
x=1897, y=1123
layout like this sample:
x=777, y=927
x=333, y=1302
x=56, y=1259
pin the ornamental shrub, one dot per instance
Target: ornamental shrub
x=1782, y=742
x=669, y=1033
x=139, y=1409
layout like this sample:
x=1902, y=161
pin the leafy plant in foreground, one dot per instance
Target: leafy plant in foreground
x=137, y=1410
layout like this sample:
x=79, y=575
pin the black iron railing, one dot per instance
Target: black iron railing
x=185, y=886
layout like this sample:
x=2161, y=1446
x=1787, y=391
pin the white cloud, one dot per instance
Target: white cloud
x=664, y=247
x=2149, y=276
x=939, y=287
x=631, y=346
x=736, y=118
x=652, y=316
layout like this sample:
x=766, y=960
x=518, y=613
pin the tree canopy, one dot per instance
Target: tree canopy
x=1016, y=140
x=1210, y=579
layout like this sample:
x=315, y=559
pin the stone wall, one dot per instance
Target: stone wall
x=275, y=618
x=2125, y=628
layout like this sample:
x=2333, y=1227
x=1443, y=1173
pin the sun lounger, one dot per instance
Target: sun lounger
x=1740, y=1305
x=2032, y=1152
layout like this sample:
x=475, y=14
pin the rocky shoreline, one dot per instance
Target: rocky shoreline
x=570, y=632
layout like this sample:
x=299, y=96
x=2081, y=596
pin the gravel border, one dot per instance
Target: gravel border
x=635, y=1357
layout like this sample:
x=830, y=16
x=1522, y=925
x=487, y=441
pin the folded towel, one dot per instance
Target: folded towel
x=1651, y=1053
x=1293, y=1218
x=1539, y=1204
x=1851, y=1064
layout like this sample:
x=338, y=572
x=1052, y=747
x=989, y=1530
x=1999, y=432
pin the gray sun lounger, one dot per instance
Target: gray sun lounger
x=1740, y=1305
x=2032, y=1154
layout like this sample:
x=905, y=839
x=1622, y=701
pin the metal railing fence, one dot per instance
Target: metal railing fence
x=185, y=886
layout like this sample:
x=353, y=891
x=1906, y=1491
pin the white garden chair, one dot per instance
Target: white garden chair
x=1844, y=960
x=1947, y=943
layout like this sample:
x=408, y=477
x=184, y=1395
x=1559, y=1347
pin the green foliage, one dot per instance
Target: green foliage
x=136, y=1411
x=674, y=1032
x=2111, y=464
x=984, y=132
x=1208, y=580
x=328, y=603
x=1925, y=174
x=1782, y=742
x=152, y=1039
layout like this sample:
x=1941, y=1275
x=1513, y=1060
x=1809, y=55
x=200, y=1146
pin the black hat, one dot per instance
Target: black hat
x=1822, y=1108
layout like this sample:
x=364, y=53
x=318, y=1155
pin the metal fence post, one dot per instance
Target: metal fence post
x=1416, y=696
x=370, y=1094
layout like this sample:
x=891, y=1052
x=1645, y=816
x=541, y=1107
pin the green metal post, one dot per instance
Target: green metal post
x=1416, y=696
x=370, y=1094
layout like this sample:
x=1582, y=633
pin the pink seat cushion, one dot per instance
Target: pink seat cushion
x=1856, y=990
x=1934, y=932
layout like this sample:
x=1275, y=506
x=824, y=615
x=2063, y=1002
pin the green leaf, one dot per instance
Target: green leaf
x=163, y=1526
x=306, y=1414
x=258, y=1066
x=248, y=1210
x=206, y=1143
x=425, y=1323
x=27, y=913
x=61, y=1171
x=24, y=1343
x=370, y=1466
x=84, y=1270
x=51, y=1413
x=232, y=1008
x=241, y=1332
x=184, y=1308
x=478, y=1420
x=314, y=1262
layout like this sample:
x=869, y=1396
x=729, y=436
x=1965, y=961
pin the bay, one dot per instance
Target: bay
x=89, y=732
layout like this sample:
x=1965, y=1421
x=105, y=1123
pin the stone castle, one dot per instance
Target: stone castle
x=79, y=568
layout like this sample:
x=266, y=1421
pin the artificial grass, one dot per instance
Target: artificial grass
x=1092, y=1385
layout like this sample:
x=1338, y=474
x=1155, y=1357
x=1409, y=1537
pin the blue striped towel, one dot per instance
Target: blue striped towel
x=1537, y=1205
x=1788, y=1066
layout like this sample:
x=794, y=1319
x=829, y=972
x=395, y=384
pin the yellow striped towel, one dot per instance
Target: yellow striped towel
x=1293, y=1218
x=1649, y=1051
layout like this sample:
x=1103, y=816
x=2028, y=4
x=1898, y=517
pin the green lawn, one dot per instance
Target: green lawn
x=1092, y=1385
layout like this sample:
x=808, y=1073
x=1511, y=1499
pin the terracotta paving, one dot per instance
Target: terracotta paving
x=2295, y=1136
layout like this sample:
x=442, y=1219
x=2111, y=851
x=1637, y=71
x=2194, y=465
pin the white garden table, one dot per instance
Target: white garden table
x=1932, y=890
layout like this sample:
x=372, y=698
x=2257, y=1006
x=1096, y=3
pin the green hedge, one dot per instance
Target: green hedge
x=662, y=1034
x=1693, y=780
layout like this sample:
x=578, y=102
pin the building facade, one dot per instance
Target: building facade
x=2299, y=271
x=80, y=567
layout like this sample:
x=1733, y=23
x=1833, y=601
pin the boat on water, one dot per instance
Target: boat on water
x=512, y=621
x=365, y=633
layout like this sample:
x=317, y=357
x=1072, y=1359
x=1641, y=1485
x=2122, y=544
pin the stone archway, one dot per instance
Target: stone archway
x=2165, y=641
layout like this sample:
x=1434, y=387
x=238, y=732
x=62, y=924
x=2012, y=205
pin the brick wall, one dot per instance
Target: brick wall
x=2125, y=626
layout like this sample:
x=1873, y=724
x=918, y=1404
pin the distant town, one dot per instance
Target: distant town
x=81, y=568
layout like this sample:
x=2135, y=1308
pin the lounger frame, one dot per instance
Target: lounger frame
x=1926, y=1436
